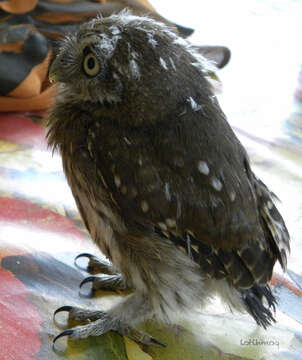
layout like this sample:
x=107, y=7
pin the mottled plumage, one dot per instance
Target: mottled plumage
x=162, y=183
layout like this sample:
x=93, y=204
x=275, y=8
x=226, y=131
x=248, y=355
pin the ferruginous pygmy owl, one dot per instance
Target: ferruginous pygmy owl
x=162, y=183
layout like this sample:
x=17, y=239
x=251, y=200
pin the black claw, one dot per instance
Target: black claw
x=86, y=280
x=64, y=333
x=62, y=308
x=89, y=256
x=157, y=342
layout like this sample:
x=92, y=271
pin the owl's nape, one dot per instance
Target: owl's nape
x=163, y=185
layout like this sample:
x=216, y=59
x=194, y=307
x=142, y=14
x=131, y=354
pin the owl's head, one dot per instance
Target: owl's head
x=132, y=60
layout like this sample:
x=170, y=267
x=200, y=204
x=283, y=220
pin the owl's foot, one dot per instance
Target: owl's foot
x=96, y=265
x=101, y=323
x=111, y=280
x=106, y=282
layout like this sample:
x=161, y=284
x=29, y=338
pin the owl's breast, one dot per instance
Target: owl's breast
x=94, y=200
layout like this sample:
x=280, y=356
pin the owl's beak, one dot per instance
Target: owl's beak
x=52, y=72
x=52, y=77
x=55, y=73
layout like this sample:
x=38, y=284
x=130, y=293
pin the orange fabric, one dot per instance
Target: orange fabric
x=18, y=6
x=14, y=47
x=145, y=3
x=61, y=18
x=32, y=85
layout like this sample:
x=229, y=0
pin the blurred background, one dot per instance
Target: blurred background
x=41, y=231
x=265, y=40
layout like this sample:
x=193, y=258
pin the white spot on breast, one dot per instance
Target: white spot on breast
x=172, y=63
x=134, y=69
x=182, y=249
x=270, y=205
x=102, y=178
x=190, y=232
x=232, y=196
x=167, y=192
x=163, y=226
x=145, y=206
x=171, y=223
x=89, y=145
x=194, y=105
x=203, y=167
x=195, y=248
x=213, y=98
x=133, y=54
x=117, y=181
x=127, y=141
x=163, y=63
x=97, y=124
x=216, y=184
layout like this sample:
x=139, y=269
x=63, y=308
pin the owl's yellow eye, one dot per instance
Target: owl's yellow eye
x=91, y=65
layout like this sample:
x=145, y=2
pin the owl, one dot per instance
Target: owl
x=162, y=183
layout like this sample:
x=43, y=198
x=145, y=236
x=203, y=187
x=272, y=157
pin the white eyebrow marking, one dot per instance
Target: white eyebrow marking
x=108, y=45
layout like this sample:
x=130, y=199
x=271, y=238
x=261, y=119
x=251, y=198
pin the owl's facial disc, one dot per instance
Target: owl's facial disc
x=90, y=64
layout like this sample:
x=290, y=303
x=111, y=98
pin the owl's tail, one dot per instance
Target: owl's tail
x=254, y=299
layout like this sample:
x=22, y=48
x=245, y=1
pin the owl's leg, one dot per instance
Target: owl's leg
x=120, y=318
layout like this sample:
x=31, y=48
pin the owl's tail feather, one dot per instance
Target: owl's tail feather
x=273, y=224
x=253, y=299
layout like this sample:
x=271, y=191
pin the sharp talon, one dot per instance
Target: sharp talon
x=157, y=342
x=64, y=333
x=62, y=308
x=89, y=256
x=86, y=280
x=91, y=292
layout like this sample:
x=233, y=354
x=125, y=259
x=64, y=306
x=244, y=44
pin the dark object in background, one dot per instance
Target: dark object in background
x=28, y=30
x=163, y=185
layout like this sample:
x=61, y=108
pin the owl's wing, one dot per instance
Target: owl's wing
x=191, y=182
